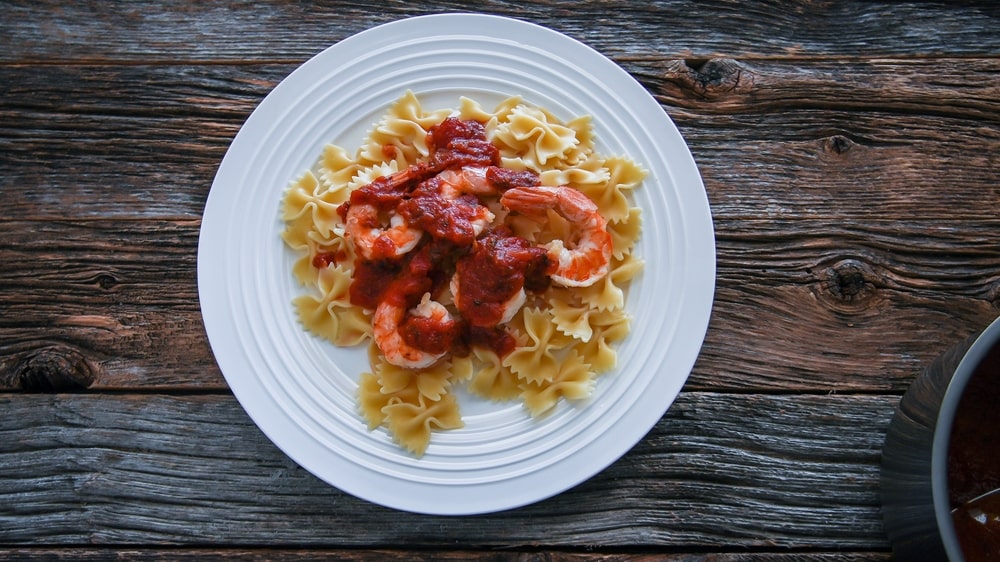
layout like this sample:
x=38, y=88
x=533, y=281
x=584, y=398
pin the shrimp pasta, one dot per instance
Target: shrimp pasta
x=466, y=246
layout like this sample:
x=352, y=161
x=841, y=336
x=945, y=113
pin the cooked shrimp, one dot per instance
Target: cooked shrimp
x=481, y=181
x=505, y=312
x=429, y=323
x=466, y=180
x=469, y=180
x=374, y=241
x=488, y=180
x=446, y=206
x=580, y=262
x=489, y=282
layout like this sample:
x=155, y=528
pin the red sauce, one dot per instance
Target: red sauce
x=494, y=338
x=430, y=335
x=403, y=280
x=440, y=136
x=442, y=218
x=386, y=192
x=505, y=178
x=389, y=151
x=456, y=142
x=325, y=259
x=371, y=280
x=493, y=273
x=974, y=463
x=416, y=277
x=491, y=269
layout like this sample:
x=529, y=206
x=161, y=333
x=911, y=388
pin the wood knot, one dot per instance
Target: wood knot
x=838, y=144
x=994, y=295
x=849, y=286
x=53, y=369
x=106, y=281
x=850, y=280
x=712, y=78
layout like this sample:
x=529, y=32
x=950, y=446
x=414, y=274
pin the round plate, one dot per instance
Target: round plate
x=300, y=390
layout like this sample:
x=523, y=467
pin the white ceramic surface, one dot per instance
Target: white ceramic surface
x=301, y=391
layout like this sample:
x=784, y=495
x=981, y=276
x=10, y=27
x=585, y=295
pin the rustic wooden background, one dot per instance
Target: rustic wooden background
x=851, y=154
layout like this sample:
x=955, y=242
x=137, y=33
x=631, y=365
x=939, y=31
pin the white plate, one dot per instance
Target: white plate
x=300, y=390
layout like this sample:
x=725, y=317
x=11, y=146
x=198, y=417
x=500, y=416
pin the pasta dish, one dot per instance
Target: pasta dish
x=465, y=246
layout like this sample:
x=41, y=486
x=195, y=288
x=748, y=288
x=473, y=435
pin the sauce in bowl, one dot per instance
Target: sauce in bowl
x=974, y=463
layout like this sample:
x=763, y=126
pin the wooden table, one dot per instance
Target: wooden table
x=851, y=154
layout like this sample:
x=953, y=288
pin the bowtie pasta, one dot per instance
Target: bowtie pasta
x=402, y=242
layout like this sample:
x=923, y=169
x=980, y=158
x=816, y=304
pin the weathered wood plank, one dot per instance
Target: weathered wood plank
x=101, y=303
x=114, y=303
x=48, y=31
x=125, y=141
x=959, y=88
x=840, y=285
x=379, y=555
x=145, y=141
x=719, y=471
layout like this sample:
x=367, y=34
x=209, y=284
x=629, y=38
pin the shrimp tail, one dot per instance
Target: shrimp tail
x=585, y=259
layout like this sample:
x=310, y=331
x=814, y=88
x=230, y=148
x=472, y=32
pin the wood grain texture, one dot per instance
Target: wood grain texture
x=119, y=304
x=719, y=471
x=873, y=303
x=380, y=555
x=283, y=30
x=854, y=141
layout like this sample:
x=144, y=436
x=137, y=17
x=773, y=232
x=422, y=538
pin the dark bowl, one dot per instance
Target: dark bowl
x=914, y=486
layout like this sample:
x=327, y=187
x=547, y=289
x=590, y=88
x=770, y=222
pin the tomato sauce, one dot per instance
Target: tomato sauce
x=456, y=142
x=974, y=463
x=505, y=178
x=492, y=268
x=431, y=335
x=389, y=151
x=441, y=217
x=371, y=279
x=493, y=338
x=493, y=274
x=325, y=259
x=385, y=193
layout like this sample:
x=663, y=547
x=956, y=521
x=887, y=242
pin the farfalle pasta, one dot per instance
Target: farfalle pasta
x=401, y=135
x=464, y=246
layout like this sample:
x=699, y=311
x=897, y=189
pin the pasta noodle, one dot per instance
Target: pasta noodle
x=550, y=325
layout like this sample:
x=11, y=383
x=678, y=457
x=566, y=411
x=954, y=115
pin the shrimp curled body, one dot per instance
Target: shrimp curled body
x=507, y=309
x=387, y=331
x=365, y=223
x=470, y=181
x=580, y=262
x=374, y=241
x=467, y=180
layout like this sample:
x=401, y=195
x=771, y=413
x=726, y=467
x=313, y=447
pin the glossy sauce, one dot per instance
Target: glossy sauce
x=504, y=178
x=494, y=273
x=430, y=335
x=371, y=280
x=444, y=219
x=492, y=268
x=455, y=143
x=974, y=463
x=324, y=259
